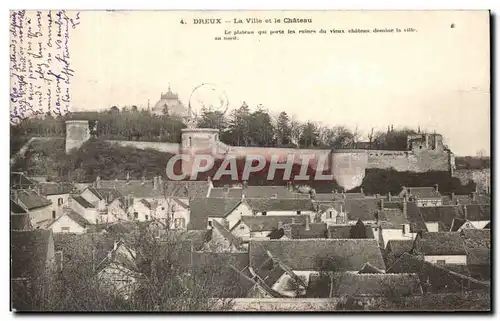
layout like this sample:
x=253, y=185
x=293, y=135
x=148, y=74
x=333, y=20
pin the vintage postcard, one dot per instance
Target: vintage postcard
x=250, y=160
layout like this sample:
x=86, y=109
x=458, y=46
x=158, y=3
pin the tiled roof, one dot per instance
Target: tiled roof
x=398, y=247
x=83, y=202
x=53, y=188
x=456, y=224
x=477, y=245
x=301, y=231
x=423, y=192
x=231, y=192
x=344, y=231
x=394, y=216
x=442, y=214
x=80, y=220
x=144, y=189
x=367, y=268
x=416, y=221
x=15, y=208
x=181, y=203
x=437, y=278
x=478, y=212
x=20, y=181
x=108, y=194
x=20, y=222
x=441, y=243
x=376, y=285
x=226, y=270
x=270, y=191
x=31, y=200
x=363, y=209
x=29, y=251
x=203, y=208
x=317, y=254
x=146, y=203
x=276, y=204
x=228, y=236
x=258, y=223
x=324, y=197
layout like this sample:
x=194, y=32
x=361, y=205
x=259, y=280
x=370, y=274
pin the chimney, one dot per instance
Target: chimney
x=465, y=212
x=209, y=181
x=405, y=208
x=160, y=183
x=115, y=245
x=293, y=220
x=381, y=203
x=453, y=198
x=226, y=189
x=280, y=225
x=389, y=197
x=436, y=186
x=474, y=196
x=128, y=177
x=361, y=190
x=155, y=183
x=307, y=224
x=143, y=180
x=98, y=182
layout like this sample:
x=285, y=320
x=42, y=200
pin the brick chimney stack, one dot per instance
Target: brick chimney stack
x=155, y=183
x=389, y=197
x=436, y=186
x=465, y=212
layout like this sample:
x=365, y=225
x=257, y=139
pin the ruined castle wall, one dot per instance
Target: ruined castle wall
x=77, y=133
x=349, y=167
x=401, y=161
x=159, y=146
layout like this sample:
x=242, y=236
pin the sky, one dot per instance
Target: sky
x=436, y=78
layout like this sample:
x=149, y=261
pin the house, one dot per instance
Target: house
x=57, y=193
x=19, y=218
x=69, y=222
x=395, y=248
x=332, y=212
x=85, y=209
x=118, y=271
x=115, y=211
x=423, y=196
x=472, y=198
x=141, y=211
x=365, y=210
x=203, y=210
x=222, y=240
x=38, y=207
x=440, y=218
x=436, y=278
x=259, y=227
x=173, y=212
x=274, y=262
x=478, y=214
x=394, y=223
x=442, y=247
x=33, y=262
x=100, y=198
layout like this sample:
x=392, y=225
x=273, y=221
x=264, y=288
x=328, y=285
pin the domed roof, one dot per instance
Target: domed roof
x=169, y=94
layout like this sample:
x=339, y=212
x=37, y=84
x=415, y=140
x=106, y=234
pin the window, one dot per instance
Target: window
x=264, y=213
x=180, y=223
x=331, y=214
x=298, y=212
x=441, y=261
x=162, y=208
x=60, y=201
x=210, y=223
x=147, y=217
x=65, y=229
x=53, y=214
x=190, y=141
x=136, y=215
x=242, y=227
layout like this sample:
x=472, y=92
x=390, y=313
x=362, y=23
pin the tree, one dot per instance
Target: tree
x=283, y=129
x=310, y=135
x=239, y=126
x=261, y=128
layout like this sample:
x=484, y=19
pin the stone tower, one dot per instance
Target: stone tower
x=77, y=133
x=198, y=141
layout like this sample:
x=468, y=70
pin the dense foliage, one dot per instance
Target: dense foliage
x=241, y=127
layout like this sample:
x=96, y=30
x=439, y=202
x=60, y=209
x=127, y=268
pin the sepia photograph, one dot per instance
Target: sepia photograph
x=250, y=161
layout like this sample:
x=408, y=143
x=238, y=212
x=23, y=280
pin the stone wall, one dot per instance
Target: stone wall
x=159, y=146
